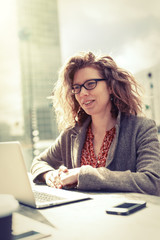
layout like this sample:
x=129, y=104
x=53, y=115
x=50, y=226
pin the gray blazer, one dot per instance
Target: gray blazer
x=132, y=164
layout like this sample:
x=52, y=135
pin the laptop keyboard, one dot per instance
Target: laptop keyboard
x=46, y=197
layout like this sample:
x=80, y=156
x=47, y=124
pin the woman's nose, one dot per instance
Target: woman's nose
x=83, y=91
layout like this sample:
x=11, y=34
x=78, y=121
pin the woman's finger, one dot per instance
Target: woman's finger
x=62, y=169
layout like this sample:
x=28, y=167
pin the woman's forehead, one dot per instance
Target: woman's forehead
x=86, y=73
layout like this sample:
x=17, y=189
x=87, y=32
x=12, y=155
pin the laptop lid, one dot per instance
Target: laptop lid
x=14, y=180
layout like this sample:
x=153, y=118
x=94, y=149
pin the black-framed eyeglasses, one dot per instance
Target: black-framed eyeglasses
x=88, y=85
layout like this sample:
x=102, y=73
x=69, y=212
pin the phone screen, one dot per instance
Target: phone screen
x=126, y=208
x=126, y=205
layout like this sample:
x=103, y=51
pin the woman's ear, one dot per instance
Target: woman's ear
x=110, y=90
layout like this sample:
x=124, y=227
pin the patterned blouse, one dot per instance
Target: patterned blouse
x=88, y=156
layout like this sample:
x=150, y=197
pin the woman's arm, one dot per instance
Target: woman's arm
x=47, y=161
x=146, y=176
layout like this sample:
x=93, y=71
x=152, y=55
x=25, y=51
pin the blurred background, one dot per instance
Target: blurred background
x=37, y=36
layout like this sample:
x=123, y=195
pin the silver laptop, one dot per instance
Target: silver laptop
x=15, y=180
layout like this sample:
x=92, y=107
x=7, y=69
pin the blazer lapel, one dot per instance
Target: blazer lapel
x=77, y=142
x=75, y=151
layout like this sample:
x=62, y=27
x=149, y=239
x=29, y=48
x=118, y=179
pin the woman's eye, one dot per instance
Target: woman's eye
x=90, y=84
x=76, y=87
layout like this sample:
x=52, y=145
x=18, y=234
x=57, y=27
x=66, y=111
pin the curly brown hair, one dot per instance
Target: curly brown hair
x=125, y=95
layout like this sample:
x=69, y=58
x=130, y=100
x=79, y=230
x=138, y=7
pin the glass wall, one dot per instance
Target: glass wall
x=30, y=60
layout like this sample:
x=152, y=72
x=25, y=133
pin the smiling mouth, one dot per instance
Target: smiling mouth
x=88, y=102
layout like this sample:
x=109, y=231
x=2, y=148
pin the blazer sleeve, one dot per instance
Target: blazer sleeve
x=146, y=177
x=48, y=160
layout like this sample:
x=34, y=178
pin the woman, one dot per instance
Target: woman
x=104, y=144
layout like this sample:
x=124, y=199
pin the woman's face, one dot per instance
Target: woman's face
x=96, y=101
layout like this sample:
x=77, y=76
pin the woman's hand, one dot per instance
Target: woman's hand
x=69, y=179
x=52, y=178
x=62, y=177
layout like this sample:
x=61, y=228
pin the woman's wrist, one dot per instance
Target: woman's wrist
x=43, y=176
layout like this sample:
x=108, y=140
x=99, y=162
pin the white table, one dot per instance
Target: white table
x=88, y=219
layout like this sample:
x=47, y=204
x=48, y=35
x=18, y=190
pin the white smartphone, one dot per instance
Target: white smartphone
x=126, y=208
